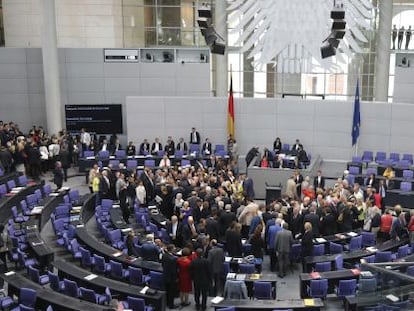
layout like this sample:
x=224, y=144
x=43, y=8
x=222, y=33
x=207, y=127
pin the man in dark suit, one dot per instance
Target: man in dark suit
x=104, y=185
x=251, y=154
x=189, y=231
x=313, y=218
x=248, y=187
x=156, y=146
x=216, y=259
x=319, y=181
x=144, y=148
x=170, y=268
x=182, y=145
x=150, y=251
x=297, y=145
x=194, y=136
x=201, y=275
x=283, y=243
x=169, y=146
x=226, y=218
x=207, y=148
x=130, y=149
x=174, y=231
x=148, y=183
x=104, y=146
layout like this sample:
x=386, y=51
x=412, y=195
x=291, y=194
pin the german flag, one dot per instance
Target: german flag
x=230, y=112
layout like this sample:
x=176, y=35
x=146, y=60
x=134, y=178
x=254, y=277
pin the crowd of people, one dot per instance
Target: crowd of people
x=211, y=208
x=276, y=157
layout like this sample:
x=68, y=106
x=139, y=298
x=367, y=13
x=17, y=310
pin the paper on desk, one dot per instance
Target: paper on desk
x=227, y=259
x=217, y=299
x=352, y=233
x=372, y=249
x=309, y=302
x=144, y=290
x=90, y=277
x=163, y=223
x=54, y=194
x=117, y=254
x=320, y=240
x=9, y=273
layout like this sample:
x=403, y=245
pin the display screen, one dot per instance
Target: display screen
x=99, y=119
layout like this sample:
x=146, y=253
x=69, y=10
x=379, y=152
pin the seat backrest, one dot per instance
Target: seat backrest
x=11, y=184
x=157, y=280
x=87, y=294
x=394, y=156
x=323, y=266
x=383, y=256
x=71, y=288
x=54, y=281
x=335, y=248
x=367, y=285
x=318, y=250
x=354, y=170
x=355, y=243
x=88, y=153
x=22, y=180
x=135, y=275
x=347, y=287
x=120, y=154
x=339, y=262
x=27, y=297
x=136, y=304
x=262, y=290
x=405, y=186
x=410, y=270
x=318, y=287
x=3, y=190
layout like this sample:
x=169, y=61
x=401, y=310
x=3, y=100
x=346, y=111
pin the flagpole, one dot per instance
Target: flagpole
x=360, y=92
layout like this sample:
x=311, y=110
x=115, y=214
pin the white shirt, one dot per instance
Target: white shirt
x=86, y=138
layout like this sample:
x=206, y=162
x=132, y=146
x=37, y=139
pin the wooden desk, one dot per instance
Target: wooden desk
x=295, y=304
x=46, y=296
x=99, y=283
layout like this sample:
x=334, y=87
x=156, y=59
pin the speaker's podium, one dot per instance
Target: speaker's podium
x=273, y=192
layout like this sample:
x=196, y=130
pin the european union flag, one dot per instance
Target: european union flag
x=356, y=123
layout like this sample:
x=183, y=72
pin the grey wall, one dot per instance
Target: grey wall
x=86, y=79
x=324, y=127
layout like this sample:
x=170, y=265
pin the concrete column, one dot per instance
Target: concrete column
x=220, y=61
x=382, y=66
x=51, y=68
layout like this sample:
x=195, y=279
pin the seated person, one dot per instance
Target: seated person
x=264, y=162
x=207, y=148
x=277, y=145
x=130, y=149
x=297, y=145
x=144, y=148
x=156, y=146
x=169, y=146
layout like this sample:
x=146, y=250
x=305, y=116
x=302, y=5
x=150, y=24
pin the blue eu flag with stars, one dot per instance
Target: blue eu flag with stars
x=356, y=123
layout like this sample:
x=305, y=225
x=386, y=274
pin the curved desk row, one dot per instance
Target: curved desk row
x=357, y=254
x=99, y=283
x=14, y=200
x=46, y=296
x=259, y=305
x=110, y=253
x=105, y=250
